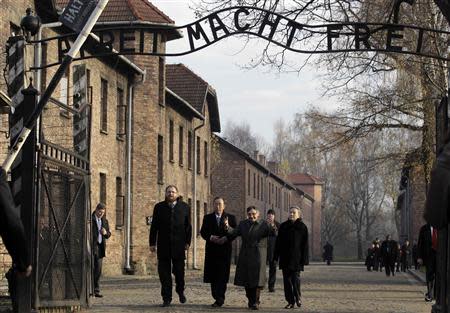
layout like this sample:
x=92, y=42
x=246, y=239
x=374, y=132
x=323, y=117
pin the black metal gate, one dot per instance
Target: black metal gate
x=63, y=216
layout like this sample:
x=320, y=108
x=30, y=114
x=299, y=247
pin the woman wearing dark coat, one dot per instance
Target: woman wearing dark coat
x=292, y=251
x=251, y=267
x=217, y=250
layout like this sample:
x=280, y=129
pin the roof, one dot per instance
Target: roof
x=263, y=168
x=194, y=90
x=128, y=11
x=304, y=179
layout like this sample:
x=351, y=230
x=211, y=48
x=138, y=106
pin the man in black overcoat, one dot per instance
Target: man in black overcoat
x=100, y=232
x=426, y=253
x=217, y=251
x=170, y=236
x=291, y=250
x=12, y=230
x=271, y=241
x=389, y=253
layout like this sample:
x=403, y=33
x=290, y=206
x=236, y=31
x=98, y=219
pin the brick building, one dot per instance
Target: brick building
x=244, y=180
x=312, y=186
x=151, y=126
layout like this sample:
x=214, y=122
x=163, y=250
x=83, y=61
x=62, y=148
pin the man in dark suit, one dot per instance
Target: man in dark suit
x=271, y=240
x=426, y=253
x=100, y=232
x=389, y=253
x=170, y=236
x=217, y=250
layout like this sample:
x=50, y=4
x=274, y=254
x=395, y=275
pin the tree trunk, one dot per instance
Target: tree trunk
x=359, y=240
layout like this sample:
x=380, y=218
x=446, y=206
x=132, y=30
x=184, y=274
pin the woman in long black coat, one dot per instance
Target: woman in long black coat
x=217, y=250
x=251, y=267
x=292, y=251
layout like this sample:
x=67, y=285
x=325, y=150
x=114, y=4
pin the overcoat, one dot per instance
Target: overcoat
x=171, y=230
x=424, y=245
x=437, y=203
x=292, y=245
x=251, y=267
x=389, y=251
x=12, y=230
x=217, y=257
x=99, y=250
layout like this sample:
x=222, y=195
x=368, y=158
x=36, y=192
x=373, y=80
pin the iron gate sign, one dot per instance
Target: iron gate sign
x=77, y=13
x=289, y=34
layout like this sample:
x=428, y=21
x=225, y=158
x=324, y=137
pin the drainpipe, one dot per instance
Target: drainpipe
x=194, y=195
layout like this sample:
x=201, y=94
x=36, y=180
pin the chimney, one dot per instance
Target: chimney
x=255, y=155
x=262, y=159
x=273, y=167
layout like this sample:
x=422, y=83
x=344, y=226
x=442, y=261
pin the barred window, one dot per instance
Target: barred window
x=121, y=114
x=104, y=105
x=180, y=145
x=160, y=160
x=120, y=202
x=103, y=188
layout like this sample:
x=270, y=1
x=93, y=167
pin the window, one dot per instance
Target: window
x=189, y=149
x=120, y=202
x=190, y=203
x=171, y=141
x=64, y=89
x=161, y=90
x=276, y=196
x=89, y=87
x=198, y=156
x=205, y=152
x=103, y=188
x=44, y=61
x=254, y=185
x=205, y=208
x=160, y=160
x=180, y=145
x=121, y=114
x=262, y=188
x=269, y=193
x=248, y=182
x=104, y=105
x=258, y=190
x=199, y=216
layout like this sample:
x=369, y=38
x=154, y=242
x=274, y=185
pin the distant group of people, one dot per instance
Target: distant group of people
x=395, y=257
x=262, y=242
x=390, y=255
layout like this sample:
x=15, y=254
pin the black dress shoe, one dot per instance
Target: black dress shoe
x=254, y=307
x=216, y=305
x=289, y=306
x=299, y=303
x=165, y=304
x=98, y=295
x=182, y=298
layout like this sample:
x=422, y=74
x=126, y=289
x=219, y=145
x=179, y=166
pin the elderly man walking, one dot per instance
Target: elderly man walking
x=292, y=251
x=170, y=237
x=217, y=250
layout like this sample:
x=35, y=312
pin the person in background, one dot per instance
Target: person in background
x=405, y=255
x=271, y=240
x=100, y=232
x=328, y=253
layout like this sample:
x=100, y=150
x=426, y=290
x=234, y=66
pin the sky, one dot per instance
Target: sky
x=259, y=96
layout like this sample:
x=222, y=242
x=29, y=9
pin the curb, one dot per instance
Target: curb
x=417, y=276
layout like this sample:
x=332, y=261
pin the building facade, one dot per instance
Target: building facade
x=151, y=126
